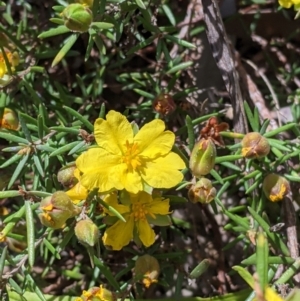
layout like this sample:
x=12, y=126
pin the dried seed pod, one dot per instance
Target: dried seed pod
x=202, y=192
x=164, y=104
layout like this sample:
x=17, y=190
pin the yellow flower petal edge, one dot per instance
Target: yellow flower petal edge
x=125, y=161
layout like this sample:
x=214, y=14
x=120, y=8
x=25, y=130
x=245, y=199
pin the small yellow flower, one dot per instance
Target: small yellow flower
x=13, y=58
x=97, y=294
x=141, y=210
x=78, y=192
x=127, y=161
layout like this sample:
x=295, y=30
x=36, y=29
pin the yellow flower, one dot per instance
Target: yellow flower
x=127, y=161
x=78, y=192
x=97, y=294
x=13, y=59
x=141, y=210
x=289, y=3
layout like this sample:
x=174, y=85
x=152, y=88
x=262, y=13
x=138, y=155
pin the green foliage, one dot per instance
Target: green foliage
x=67, y=79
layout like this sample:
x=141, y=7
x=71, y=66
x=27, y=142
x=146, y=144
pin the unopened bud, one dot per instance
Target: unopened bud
x=164, y=104
x=147, y=269
x=254, y=145
x=77, y=17
x=276, y=187
x=57, y=209
x=9, y=120
x=97, y=294
x=88, y=3
x=203, y=157
x=202, y=192
x=87, y=232
x=66, y=176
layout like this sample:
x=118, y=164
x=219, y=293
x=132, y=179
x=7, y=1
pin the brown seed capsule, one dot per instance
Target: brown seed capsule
x=203, y=157
x=276, y=187
x=147, y=269
x=77, y=17
x=164, y=104
x=87, y=232
x=202, y=192
x=57, y=209
x=254, y=145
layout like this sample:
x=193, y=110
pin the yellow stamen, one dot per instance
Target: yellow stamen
x=139, y=211
x=131, y=157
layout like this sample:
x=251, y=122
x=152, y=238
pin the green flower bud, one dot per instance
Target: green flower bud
x=147, y=269
x=77, y=17
x=57, y=209
x=66, y=176
x=254, y=145
x=85, y=2
x=203, y=157
x=87, y=232
x=276, y=187
x=9, y=120
x=202, y=192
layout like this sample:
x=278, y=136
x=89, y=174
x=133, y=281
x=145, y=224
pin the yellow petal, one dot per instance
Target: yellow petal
x=142, y=197
x=96, y=166
x=153, y=141
x=77, y=193
x=112, y=133
x=163, y=171
x=133, y=182
x=119, y=234
x=270, y=295
x=285, y=3
x=111, y=200
x=159, y=206
x=146, y=233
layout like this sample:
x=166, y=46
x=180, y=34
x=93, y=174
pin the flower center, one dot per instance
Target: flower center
x=139, y=211
x=131, y=157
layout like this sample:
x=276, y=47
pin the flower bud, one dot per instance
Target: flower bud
x=254, y=145
x=203, y=157
x=97, y=294
x=276, y=187
x=87, y=232
x=66, y=176
x=147, y=269
x=202, y=192
x=57, y=208
x=88, y=3
x=164, y=104
x=9, y=120
x=77, y=17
